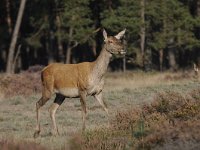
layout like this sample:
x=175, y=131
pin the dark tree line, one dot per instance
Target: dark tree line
x=161, y=34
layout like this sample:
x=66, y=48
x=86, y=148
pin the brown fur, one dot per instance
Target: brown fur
x=59, y=75
x=77, y=80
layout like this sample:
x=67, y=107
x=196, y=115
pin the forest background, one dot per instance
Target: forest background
x=161, y=34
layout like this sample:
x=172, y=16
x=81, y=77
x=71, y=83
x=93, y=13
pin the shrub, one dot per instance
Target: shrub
x=23, y=145
x=25, y=83
x=171, y=121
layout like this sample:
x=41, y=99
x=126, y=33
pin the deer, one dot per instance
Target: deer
x=78, y=81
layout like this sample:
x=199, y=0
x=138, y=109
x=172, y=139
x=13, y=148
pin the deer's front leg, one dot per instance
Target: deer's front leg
x=84, y=111
x=52, y=109
x=99, y=98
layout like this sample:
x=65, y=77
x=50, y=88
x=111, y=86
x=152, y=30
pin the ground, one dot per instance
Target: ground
x=123, y=91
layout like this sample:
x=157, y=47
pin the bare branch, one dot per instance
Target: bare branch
x=75, y=44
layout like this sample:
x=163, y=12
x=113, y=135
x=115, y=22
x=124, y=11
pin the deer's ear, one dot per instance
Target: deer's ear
x=120, y=34
x=105, y=35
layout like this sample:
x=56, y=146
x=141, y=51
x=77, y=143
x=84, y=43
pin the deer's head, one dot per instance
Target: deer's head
x=113, y=44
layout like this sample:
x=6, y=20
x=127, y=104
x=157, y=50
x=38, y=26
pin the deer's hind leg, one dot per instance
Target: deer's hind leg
x=46, y=95
x=39, y=104
x=52, y=109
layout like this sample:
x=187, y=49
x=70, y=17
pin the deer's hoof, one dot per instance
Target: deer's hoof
x=55, y=133
x=36, y=134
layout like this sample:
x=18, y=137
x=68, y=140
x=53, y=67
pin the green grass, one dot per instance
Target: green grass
x=122, y=92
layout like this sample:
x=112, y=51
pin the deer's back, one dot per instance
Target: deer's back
x=67, y=79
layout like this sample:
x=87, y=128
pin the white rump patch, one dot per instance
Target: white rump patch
x=68, y=92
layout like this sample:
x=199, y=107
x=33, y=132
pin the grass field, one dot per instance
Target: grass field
x=123, y=92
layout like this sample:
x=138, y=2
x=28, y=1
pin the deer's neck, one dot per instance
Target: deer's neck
x=101, y=64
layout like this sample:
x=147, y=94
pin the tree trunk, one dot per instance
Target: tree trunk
x=142, y=32
x=198, y=15
x=172, y=59
x=198, y=29
x=110, y=5
x=161, y=59
x=68, y=56
x=4, y=58
x=51, y=58
x=9, y=20
x=16, y=57
x=94, y=48
x=198, y=7
x=60, y=47
x=124, y=58
x=69, y=48
x=9, y=67
x=161, y=51
x=124, y=64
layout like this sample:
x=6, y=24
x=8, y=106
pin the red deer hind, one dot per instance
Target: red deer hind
x=77, y=80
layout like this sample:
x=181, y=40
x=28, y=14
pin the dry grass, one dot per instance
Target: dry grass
x=171, y=121
x=14, y=145
x=133, y=80
x=125, y=95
